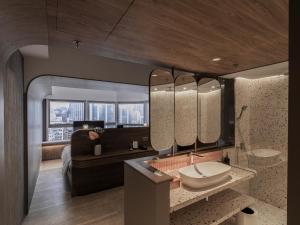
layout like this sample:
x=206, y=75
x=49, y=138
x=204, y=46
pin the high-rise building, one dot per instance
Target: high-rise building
x=75, y=111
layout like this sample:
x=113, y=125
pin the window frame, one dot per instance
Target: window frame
x=86, y=114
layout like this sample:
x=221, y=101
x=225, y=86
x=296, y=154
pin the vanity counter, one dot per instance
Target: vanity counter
x=181, y=197
x=162, y=204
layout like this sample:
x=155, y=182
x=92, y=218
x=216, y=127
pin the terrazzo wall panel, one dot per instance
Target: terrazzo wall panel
x=162, y=119
x=186, y=117
x=209, y=120
x=264, y=125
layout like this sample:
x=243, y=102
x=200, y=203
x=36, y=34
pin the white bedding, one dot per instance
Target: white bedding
x=66, y=158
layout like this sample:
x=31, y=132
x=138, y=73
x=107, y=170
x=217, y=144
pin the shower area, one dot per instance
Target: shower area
x=261, y=140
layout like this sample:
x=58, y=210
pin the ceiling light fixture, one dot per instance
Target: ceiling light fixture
x=154, y=75
x=213, y=87
x=184, y=88
x=216, y=59
x=155, y=89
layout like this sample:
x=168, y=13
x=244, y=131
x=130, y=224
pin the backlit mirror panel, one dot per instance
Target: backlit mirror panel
x=161, y=110
x=209, y=110
x=185, y=109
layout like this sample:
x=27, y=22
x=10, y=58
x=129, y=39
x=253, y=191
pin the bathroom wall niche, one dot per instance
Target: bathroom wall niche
x=209, y=110
x=161, y=109
x=185, y=109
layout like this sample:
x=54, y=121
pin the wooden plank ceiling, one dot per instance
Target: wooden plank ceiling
x=185, y=34
x=21, y=23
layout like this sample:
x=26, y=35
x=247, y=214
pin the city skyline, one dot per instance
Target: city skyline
x=65, y=113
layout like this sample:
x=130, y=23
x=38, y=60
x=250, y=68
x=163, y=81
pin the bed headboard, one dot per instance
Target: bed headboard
x=121, y=138
x=111, y=139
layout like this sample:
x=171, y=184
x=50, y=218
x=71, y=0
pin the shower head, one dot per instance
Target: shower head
x=244, y=107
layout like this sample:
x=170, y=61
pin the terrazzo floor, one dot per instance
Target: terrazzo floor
x=52, y=204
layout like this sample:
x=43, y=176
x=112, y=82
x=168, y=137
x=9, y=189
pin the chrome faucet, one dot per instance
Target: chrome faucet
x=192, y=154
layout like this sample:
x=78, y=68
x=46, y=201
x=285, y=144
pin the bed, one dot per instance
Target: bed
x=88, y=173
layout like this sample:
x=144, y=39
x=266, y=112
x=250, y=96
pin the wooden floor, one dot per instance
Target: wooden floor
x=51, y=164
x=52, y=203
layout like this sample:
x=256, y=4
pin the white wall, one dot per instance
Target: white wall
x=74, y=63
x=38, y=89
x=133, y=93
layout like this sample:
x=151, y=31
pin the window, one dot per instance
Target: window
x=60, y=133
x=103, y=111
x=131, y=114
x=61, y=116
x=62, y=113
x=65, y=112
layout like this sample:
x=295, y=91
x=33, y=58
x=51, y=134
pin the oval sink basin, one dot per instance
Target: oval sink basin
x=264, y=156
x=204, y=174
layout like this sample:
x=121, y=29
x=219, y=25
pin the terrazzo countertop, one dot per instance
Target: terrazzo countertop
x=182, y=197
x=216, y=210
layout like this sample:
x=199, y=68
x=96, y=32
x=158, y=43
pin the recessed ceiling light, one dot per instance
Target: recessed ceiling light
x=216, y=59
x=184, y=88
x=154, y=75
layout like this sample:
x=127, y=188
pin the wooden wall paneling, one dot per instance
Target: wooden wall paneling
x=2, y=161
x=14, y=140
x=22, y=23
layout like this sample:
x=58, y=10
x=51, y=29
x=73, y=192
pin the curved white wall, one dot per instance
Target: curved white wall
x=75, y=63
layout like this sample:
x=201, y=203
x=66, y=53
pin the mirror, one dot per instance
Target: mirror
x=161, y=109
x=185, y=109
x=209, y=110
